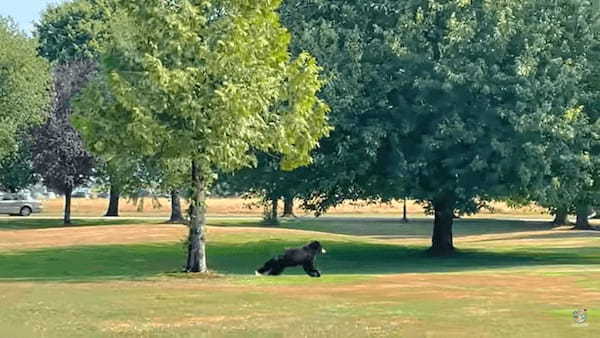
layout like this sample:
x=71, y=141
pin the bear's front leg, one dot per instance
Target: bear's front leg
x=310, y=270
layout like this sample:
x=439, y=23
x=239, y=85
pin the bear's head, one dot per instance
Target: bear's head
x=316, y=247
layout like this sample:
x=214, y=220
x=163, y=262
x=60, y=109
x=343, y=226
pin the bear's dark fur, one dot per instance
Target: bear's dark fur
x=304, y=256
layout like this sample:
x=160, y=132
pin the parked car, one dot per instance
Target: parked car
x=19, y=204
x=80, y=194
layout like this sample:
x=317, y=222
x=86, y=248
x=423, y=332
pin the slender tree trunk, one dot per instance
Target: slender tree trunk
x=560, y=217
x=274, y=209
x=113, y=201
x=67, y=215
x=196, y=258
x=441, y=241
x=582, y=222
x=288, y=207
x=176, y=215
x=404, y=217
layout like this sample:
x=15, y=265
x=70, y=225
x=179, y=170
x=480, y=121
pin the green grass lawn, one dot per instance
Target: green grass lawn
x=373, y=283
x=18, y=223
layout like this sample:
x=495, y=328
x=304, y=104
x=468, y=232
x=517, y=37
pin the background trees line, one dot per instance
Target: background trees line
x=452, y=103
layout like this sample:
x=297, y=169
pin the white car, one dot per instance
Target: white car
x=18, y=204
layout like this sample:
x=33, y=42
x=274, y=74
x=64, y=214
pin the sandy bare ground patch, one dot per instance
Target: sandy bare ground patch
x=158, y=233
x=69, y=236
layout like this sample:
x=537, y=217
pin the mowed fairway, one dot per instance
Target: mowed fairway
x=107, y=278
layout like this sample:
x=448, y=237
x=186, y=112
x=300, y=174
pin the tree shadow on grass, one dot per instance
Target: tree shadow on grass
x=18, y=223
x=563, y=234
x=127, y=262
x=394, y=228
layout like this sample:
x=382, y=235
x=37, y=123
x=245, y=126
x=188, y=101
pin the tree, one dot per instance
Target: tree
x=269, y=183
x=24, y=85
x=209, y=82
x=16, y=169
x=73, y=30
x=450, y=102
x=574, y=184
x=59, y=155
x=119, y=177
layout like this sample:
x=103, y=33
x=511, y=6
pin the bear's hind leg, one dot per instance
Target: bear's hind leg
x=277, y=270
x=269, y=265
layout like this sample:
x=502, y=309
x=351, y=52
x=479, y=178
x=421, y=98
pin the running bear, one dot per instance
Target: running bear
x=304, y=256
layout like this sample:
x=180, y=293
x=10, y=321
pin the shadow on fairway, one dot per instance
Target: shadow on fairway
x=394, y=228
x=20, y=223
x=96, y=263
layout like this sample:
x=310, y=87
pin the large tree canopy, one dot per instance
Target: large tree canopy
x=24, y=85
x=451, y=102
x=209, y=81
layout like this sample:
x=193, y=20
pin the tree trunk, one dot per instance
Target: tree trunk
x=196, y=258
x=176, y=215
x=441, y=241
x=582, y=222
x=560, y=217
x=67, y=216
x=288, y=207
x=274, y=207
x=113, y=202
x=404, y=217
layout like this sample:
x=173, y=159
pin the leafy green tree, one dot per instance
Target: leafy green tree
x=453, y=103
x=210, y=82
x=271, y=184
x=346, y=39
x=16, y=169
x=24, y=85
x=575, y=163
x=73, y=30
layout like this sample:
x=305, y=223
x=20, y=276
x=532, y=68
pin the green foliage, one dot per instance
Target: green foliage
x=24, y=85
x=73, y=30
x=462, y=101
x=210, y=82
x=16, y=169
x=575, y=142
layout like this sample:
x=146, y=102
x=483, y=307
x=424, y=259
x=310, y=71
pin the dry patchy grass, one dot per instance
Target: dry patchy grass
x=524, y=299
x=241, y=207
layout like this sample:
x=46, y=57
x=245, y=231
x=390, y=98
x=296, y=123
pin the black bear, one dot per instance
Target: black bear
x=304, y=256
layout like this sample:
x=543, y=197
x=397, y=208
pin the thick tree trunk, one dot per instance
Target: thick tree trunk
x=404, y=216
x=441, y=241
x=196, y=259
x=288, y=207
x=582, y=222
x=113, y=202
x=176, y=214
x=67, y=215
x=560, y=217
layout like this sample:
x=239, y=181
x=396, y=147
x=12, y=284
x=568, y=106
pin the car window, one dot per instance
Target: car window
x=7, y=197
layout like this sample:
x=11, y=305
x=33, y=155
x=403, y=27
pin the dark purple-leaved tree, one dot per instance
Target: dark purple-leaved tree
x=59, y=155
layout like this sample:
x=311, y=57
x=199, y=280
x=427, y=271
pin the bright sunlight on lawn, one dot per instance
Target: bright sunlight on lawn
x=377, y=280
